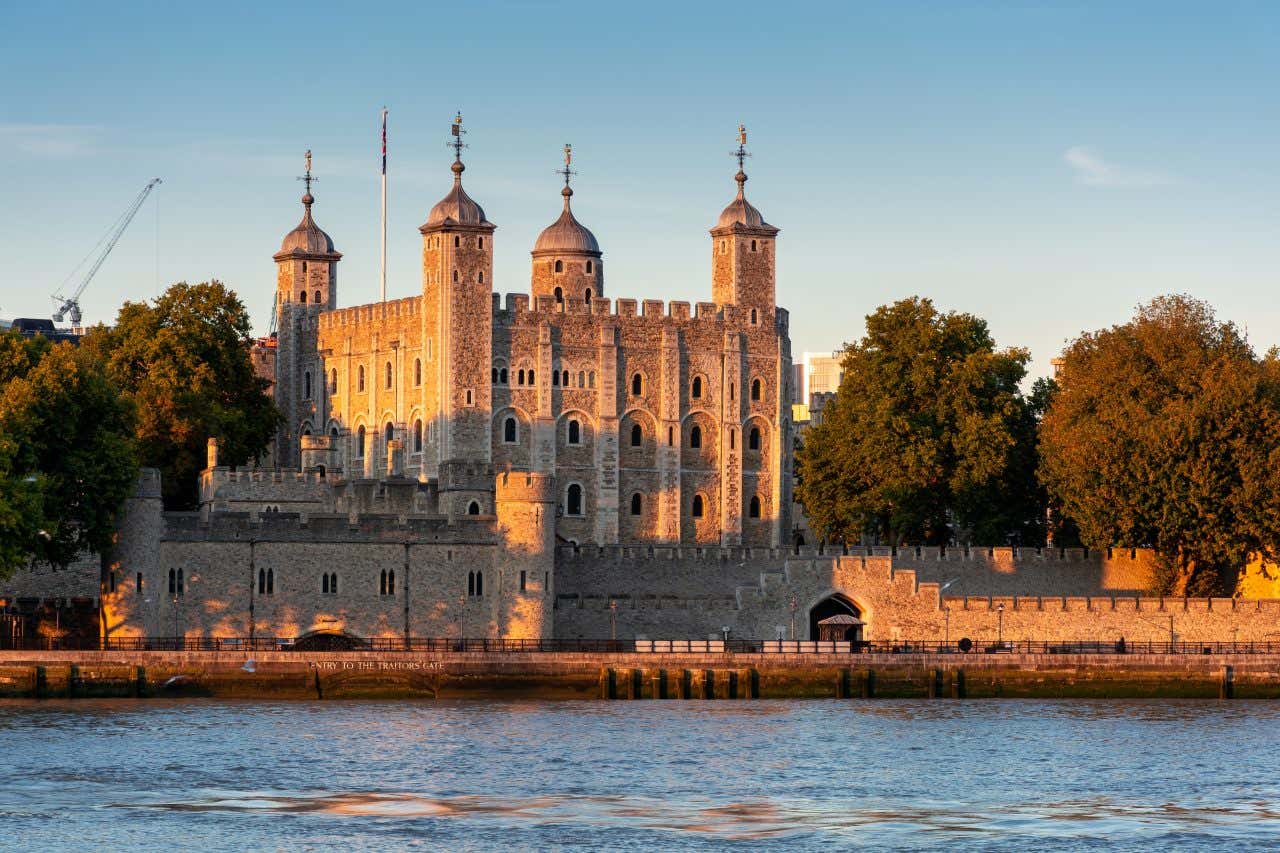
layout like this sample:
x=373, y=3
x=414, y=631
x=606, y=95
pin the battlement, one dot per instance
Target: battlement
x=372, y=313
x=278, y=476
x=986, y=556
x=708, y=554
x=526, y=486
x=518, y=305
x=325, y=527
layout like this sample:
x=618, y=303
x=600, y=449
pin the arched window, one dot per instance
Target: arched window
x=753, y=245
x=502, y=376
x=565, y=379
x=574, y=500
x=480, y=276
x=520, y=380
x=324, y=584
x=733, y=439
x=575, y=432
x=306, y=385
x=754, y=317
x=509, y=434
x=732, y=390
x=555, y=378
x=524, y=579
x=388, y=374
x=590, y=268
x=582, y=379
x=753, y=439
x=360, y=443
x=471, y=584
x=479, y=584
x=559, y=294
x=173, y=582
x=457, y=242
x=559, y=268
x=391, y=582
x=333, y=381
x=637, y=384
x=587, y=298
x=495, y=376
x=316, y=300
x=417, y=436
x=591, y=379
x=388, y=433
x=695, y=437
x=473, y=508
x=754, y=510
x=360, y=378
x=532, y=379
x=306, y=429
x=755, y=389
x=333, y=431
x=417, y=371
x=271, y=581
x=182, y=586
x=637, y=435
x=479, y=242
x=697, y=387
x=333, y=584
x=455, y=274
x=636, y=503
x=302, y=297
x=382, y=583
x=697, y=506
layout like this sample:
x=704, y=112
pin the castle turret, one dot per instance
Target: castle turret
x=566, y=256
x=306, y=284
x=457, y=285
x=742, y=253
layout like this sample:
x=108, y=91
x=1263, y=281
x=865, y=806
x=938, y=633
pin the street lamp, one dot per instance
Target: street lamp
x=793, y=604
x=1000, y=625
x=946, y=611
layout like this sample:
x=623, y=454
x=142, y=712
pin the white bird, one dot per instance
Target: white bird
x=250, y=666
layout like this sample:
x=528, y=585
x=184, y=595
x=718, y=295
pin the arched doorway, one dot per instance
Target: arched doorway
x=835, y=605
x=329, y=641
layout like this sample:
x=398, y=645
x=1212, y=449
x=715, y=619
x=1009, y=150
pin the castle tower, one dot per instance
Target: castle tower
x=566, y=256
x=742, y=253
x=457, y=286
x=306, y=284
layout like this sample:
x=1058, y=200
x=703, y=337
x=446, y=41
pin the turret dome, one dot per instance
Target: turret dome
x=457, y=208
x=741, y=212
x=308, y=238
x=566, y=234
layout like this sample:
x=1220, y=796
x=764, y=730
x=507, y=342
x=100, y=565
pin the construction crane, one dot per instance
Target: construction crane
x=70, y=305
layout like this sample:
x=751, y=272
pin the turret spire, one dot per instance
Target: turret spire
x=742, y=154
x=567, y=172
x=457, y=145
x=307, y=199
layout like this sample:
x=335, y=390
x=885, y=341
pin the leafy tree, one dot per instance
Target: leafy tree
x=184, y=361
x=67, y=459
x=1165, y=432
x=928, y=436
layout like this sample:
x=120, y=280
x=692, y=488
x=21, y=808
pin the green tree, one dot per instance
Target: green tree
x=1165, y=433
x=184, y=361
x=927, y=437
x=67, y=459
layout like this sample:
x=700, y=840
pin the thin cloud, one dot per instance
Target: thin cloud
x=1094, y=171
x=48, y=140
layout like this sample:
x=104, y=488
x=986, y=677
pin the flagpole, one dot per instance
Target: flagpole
x=383, y=275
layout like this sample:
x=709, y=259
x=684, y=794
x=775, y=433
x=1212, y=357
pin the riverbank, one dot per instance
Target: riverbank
x=585, y=675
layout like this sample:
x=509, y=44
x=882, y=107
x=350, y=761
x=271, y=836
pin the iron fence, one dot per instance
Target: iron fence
x=441, y=645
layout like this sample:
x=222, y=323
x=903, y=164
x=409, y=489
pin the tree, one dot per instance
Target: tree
x=67, y=459
x=928, y=436
x=184, y=361
x=1165, y=433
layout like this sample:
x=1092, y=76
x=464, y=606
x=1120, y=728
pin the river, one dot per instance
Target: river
x=807, y=775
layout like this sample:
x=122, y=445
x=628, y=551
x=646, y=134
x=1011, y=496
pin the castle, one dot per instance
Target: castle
x=562, y=465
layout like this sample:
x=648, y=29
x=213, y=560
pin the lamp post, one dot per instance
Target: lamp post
x=946, y=612
x=793, y=604
x=1000, y=625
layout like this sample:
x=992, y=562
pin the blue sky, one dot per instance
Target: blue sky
x=1046, y=166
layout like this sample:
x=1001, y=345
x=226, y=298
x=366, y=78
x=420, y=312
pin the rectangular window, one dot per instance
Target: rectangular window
x=138, y=587
x=522, y=580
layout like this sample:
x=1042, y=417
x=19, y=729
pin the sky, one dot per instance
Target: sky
x=1046, y=166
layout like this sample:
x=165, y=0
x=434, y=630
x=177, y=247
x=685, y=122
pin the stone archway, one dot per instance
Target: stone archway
x=835, y=605
x=329, y=641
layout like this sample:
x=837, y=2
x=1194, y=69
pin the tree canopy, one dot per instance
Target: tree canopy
x=928, y=437
x=1166, y=433
x=67, y=458
x=184, y=362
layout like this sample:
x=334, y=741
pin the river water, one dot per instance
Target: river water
x=819, y=775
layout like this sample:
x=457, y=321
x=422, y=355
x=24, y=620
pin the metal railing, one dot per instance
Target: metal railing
x=442, y=645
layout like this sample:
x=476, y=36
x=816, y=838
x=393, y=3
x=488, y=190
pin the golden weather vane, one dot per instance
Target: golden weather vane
x=456, y=131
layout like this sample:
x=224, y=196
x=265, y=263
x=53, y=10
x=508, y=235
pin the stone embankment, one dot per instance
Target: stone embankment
x=565, y=675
